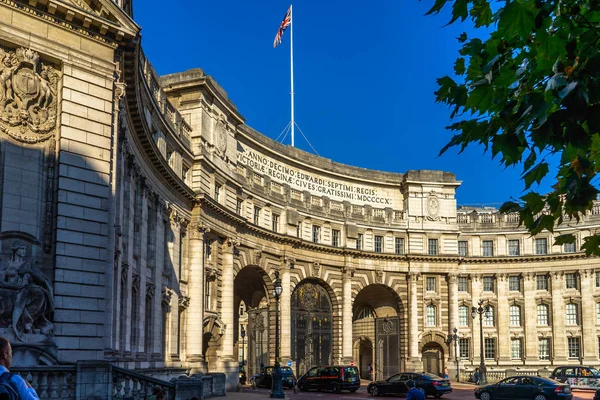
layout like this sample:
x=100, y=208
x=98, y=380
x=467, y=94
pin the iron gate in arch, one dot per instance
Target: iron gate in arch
x=258, y=339
x=387, y=339
x=312, y=328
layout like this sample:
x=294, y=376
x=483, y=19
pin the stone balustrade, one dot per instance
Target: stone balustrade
x=131, y=385
x=50, y=382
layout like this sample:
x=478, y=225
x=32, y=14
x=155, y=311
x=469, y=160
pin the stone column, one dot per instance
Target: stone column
x=285, y=313
x=348, y=273
x=194, y=329
x=503, y=319
x=475, y=293
x=228, y=361
x=529, y=317
x=452, y=280
x=413, y=322
x=588, y=317
x=559, y=338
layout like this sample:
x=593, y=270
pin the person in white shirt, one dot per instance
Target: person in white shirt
x=22, y=387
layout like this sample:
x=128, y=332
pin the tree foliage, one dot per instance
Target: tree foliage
x=532, y=90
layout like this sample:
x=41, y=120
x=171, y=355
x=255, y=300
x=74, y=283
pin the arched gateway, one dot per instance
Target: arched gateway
x=312, y=333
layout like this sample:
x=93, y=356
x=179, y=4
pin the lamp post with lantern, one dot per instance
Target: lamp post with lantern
x=481, y=311
x=277, y=388
x=243, y=335
x=454, y=338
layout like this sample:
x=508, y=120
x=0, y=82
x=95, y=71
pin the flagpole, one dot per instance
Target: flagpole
x=292, y=69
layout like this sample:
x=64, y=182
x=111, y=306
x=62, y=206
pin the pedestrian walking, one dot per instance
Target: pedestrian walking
x=370, y=371
x=413, y=393
x=446, y=374
x=12, y=386
x=476, y=376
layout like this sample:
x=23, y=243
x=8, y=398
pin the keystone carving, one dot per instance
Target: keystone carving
x=379, y=276
x=316, y=269
x=257, y=256
x=28, y=100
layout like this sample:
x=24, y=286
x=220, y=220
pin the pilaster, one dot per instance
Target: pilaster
x=413, y=318
x=503, y=319
x=452, y=280
x=559, y=339
x=286, y=310
x=588, y=320
x=347, y=275
x=530, y=318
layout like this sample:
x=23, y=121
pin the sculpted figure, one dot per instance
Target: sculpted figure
x=26, y=296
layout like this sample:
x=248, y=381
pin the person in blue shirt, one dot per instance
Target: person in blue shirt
x=23, y=388
x=413, y=393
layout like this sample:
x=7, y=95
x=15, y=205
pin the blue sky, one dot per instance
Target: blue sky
x=365, y=73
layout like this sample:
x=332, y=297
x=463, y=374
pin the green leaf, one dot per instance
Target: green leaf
x=516, y=20
x=459, y=10
x=481, y=13
x=459, y=66
x=510, y=207
x=564, y=239
x=437, y=7
x=536, y=174
x=591, y=245
x=480, y=99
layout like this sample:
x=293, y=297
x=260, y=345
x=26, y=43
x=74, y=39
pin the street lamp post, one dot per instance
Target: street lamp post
x=243, y=334
x=277, y=388
x=474, y=312
x=454, y=338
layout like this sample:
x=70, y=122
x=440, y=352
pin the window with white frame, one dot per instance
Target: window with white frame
x=463, y=348
x=597, y=279
x=488, y=283
x=542, y=315
x=275, y=223
x=514, y=248
x=432, y=247
x=463, y=248
x=463, y=284
x=430, y=284
x=335, y=237
x=598, y=313
x=544, y=348
x=359, y=241
x=217, y=193
x=573, y=347
x=571, y=281
x=316, y=234
x=514, y=283
x=541, y=282
x=515, y=349
x=238, y=206
x=378, y=244
x=256, y=215
x=487, y=248
x=399, y=245
x=572, y=317
x=430, y=315
x=515, y=315
x=541, y=246
x=463, y=316
x=490, y=348
x=488, y=316
x=570, y=247
x=208, y=247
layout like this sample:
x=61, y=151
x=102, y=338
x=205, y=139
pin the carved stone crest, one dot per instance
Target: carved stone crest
x=257, y=256
x=221, y=135
x=433, y=208
x=379, y=276
x=28, y=96
x=316, y=269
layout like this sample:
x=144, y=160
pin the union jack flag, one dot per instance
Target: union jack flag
x=287, y=20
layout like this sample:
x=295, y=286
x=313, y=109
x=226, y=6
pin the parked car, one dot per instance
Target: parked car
x=242, y=375
x=429, y=384
x=525, y=387
x=265, y=378
x=577, y=376
x=335, y=378
x=597, y=395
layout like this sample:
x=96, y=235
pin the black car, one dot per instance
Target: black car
x=242, y=374
x=265, y=378
x=525, y=387
x=332, y=377
x=431, y=385
x=597, y=395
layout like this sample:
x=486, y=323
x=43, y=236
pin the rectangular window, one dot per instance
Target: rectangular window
x=569, y=248
x=490, y=348
x=217, y=193
x=571, y=281
x=430, y=316
x=598, y=313
x=488, y=317
x=399, y=245
x=463, y=248
x=488, y=283
x=238, y=206
x=544, y=349
x=598, y=279
x=542, y=315
x=433, y=247
x=463, y=348
x=463, y=284
x=335, y=238
x=542, y=282
x=515, y=349
x=487, y=247
x=430, y=284
x=514, y=248
x=316, y=234
x=378, y=244
x=208, y=243
x=541, y=246
x=463, y=316
x=573, y=344
x=275, y=223
x=359, y=241
x=572, y=317
x=515, y=315
x=256, y=215
x=514, y=283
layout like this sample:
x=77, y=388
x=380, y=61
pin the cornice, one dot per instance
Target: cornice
x=528, y=258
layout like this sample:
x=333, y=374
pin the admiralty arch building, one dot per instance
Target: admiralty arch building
x=144, y=224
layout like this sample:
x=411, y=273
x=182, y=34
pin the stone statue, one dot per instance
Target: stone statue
x=26, y=297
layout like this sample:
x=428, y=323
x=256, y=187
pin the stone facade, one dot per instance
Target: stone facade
x=142, y=222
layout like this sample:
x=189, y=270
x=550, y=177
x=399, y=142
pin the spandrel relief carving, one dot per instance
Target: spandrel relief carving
x=28, y=96
x=26, y=295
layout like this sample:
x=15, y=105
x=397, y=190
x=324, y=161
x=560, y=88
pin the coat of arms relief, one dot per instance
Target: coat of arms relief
x=28, y=96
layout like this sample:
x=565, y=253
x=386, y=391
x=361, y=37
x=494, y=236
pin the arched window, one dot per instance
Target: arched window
x=542, y=314
x=366, y=312
x=488, y=317
x=515, y=315
x=572, y=317
x=430, y=315
x=463, y=316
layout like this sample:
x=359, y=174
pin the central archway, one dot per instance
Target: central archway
x=312, y=328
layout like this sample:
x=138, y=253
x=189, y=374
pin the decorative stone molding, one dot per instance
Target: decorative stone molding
x=211, y=275
x=198, y=230
x=289, y=261
x=257, y=256
x=557, y=275
x=150, y=290
x=28, y=96
x=348, y=271
x=184, y=303
x=229, y=244
x=378, y=276
x=135, y=283
x=413, y=276
x=124, y=272
x=316, y=269
x=433, y=207
x=167, y=294
x=452, y=277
